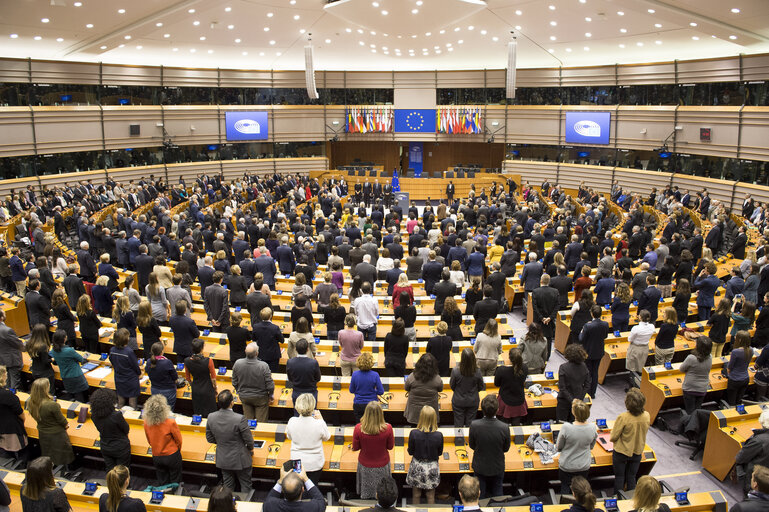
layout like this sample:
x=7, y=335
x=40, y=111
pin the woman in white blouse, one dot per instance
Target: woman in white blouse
x=307, y=433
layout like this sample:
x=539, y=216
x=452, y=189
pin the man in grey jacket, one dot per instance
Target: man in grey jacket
x=234, y=443
x=252, y=379
x=217, y=304
x=10, y=353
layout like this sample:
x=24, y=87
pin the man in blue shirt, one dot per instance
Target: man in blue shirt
x=650, y=257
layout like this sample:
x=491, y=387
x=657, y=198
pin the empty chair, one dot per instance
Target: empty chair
x=450, y=174
x=460, y=173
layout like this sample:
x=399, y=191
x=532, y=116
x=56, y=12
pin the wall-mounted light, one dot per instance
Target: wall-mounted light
x=335, y=123
x=643, y=131
x=495, y=123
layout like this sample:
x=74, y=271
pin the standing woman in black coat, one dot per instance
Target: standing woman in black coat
x=201, y=374
x=512, y=388
x=13, y=436
x=89, y=324
x=113, y=429
x=238, y=287
x=453, y=318
x=65, y=320
x=573, y=381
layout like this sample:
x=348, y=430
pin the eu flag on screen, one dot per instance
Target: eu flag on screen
x=415, y=121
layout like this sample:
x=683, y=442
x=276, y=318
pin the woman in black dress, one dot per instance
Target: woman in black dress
x=453, y=318
x=38, y=347
x=39, y=491
x=65, y=320
x=113, y=429
x=238, y=287
x=148, y=327
x=473, y=295
x=201, y=374
x=89, y=324
x=127, y=369
x=396, y=346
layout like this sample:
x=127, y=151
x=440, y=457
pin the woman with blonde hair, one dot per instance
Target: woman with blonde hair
x=124, y=318
x=302, y=331
x=365, y=384
x=646, y=497
x=115, y=500
x=156, y=294
x=307, y=431
x=65, y=320
x=51, y=424
x=221, y=263
x=148, y=327
x=301, y=288
x=89, y=324
x=664, y=343
x=488, y=347
x=163, y=273
x=425, y=447
x=402, y=286
x=457, y=276
x=575, y=442
x=238, y=285
x=373, y=437
x=102, y=297
x=165, y=439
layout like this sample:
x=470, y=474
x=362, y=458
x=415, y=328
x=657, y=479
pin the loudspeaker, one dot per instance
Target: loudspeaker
x=512, y=47
x=134, y=129
x=309, y=72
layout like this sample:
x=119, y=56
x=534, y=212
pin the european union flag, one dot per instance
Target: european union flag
x=415, y=121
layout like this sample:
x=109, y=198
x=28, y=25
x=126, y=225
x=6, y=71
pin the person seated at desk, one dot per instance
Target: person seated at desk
x=287, y=494
x=757, y=499
x=647, y=496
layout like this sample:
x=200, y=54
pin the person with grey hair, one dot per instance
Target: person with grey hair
x=86, y=263
x=252, y=380
x=307, y=431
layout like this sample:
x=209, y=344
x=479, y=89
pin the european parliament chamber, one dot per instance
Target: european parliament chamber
x=386, y=255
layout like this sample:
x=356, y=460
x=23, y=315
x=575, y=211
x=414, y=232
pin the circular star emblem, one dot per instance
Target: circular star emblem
x=415, y=121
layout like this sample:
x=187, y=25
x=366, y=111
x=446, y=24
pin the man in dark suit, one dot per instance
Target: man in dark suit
x=356, y=255
x=740, y=241
x=489, y=438
x=294, y=487
x=444, y=289
x=86, y=263
x=266, y=265
x=234, y=442
x=206, y=275
x=563, y=285
x=386, y=496
x=572, y=253
x=303, y=372
x=268, y=337
x=143, y=264
x=713, y=240
x=184, y=329
x=10, y=353
x=650, y=298
x=695, y=246
x=497, y=282
x=485, y=309
x=285, y=257
x=216, y=303
x=73, y=286
x=366, y=271
x=38, y=306
x=705, y=206
x=392, y=276
x=450, y=189
x=545, y=302
x=592, y=339
x=431, y=273
x=532, y=271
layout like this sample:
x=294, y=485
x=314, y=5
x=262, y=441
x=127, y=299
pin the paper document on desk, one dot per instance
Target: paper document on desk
x=100, y=372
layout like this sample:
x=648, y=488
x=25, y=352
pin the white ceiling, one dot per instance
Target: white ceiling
x=381, y=34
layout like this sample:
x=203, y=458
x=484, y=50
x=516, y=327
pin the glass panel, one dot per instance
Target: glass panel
x=247, y=150
x=14, y=95
x=299, y=149
x=128, y=95
x=63, y=94
x=188, y=96
x=17, y=167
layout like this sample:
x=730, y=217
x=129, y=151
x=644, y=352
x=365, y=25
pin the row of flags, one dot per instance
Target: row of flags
x=459, y=120
x=369, y=120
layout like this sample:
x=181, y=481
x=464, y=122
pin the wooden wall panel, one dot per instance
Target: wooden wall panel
x=709, y=70
x=415, y=80
x=288, y=79
x=245, y=78
x=369, y=80
x=640, y=182
x=753, y=139
x=9, y=187
x=180, y=77
x=646, y=74
x=758, y=192
x=46, y=71
x=460, y=79
x=117, y=120
x=533, y=125
x=16, y=129
x=59, y=129
x=754, y=67
x=385, y=153
x=724, y=122
x=539, y=77
x=593, y=75
x=117, y=74
x=657, y=121
x=596, y=176
x=193, y=124
x=14, y=70
x=438, y=156
x=298, y=124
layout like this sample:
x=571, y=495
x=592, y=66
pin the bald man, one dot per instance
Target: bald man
x=293, y=486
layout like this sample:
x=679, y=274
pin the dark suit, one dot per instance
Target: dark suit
x=266, y=265
x=185, y=331
x=74, y=288
x=285, y=258
x=738, y=247
x=234, y=446
x=38, y=309
x=268, y=337
x=304, y=373
x=367, y=273
x=206, y=278
x=489, y=439
x=650, y=300
x=431, y=274
x=441, y=291
x=143, y=265
x=255, y=302
x=592, y=338
x=217, y=305
x=545, y=302
x=313, y=502
x=483, y=311
x=87, y=265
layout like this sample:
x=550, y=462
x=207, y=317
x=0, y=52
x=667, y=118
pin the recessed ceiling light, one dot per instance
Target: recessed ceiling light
x=302, y=31
x=650, y=11
x=210, y=52
x=428, y=34
x=191, y=11
x=103, y=47
x=495, y=39
x=620, y=13
x=639, y=43
x=461, y=41
x=266, y=29
x=552, y=38
x=551, y=50
x=451, y=49
x=37, y=38
x=736, y=10
x=328, y=41
x=456, y=29
x=483, y=32
x=90, y=25
x=695, y=38
x=121, y=11
x=202, y=38
x=166, y=35
x=588, y=34
x=553, y=23
x=44, y=20
x=272, y=42
x=261, y=54
x=360, y=31
x=246, y=53
x=448, y=45
x=419, y=3
x=237, y=40
x=78, y=4
x=139, y=47
x=59, y=39
x=278, y=53
x=442, y=32
x=658, y=25
x=518, y=12
x=623, y=30
x=414, y=11
x=14, y=36
x=292, y=2
x=551, y=7
x=230, y=27
x=588, y=19
x=732, y=37
x=373, y=50
x=348, y=30
x=372, y=33
x=175, y=49
x=517, y=27
x=375, y=4
x=296, y=16
x=621, y=45
x=413, y=36
x=568, y=50
x=434, y=47
x=657, y=42
x=193, y=50
x=270, y=15
x=361, y=43
x=692, y=24
x=471, y=27
x=159, y=24
x=227, y=9
x=121, y=45
x=586, y=48
x=196, y=23
x=437, y=51
x=384, y=13
x=127, y=38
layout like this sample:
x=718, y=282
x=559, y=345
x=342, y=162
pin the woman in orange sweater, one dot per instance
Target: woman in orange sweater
x=165, y=440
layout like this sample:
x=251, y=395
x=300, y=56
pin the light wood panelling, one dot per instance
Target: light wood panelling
x=288, y=79
x=193, y=124
x=646, y=74
x=14, y=70
x=754, y=67
x=533, y=125
x=116, y=74
x=369, y=80
x=60, y=129
x=758, y=192
x=454, y=79
x=724, y=122
x=57, y=72
x=596, y=176
x=533, y=172
x=754, y=136
x=179, y=77
x=16, y=129
x=415, y=80
x=245, y=78
x=638, y=181
x=540, y=77
x=298, y=124
x=656, y=121
x=597, y=75
x=709, y=70
x=8, y=187
x=117, y=121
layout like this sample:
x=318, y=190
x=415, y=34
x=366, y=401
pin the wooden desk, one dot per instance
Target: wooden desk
x=727, y=431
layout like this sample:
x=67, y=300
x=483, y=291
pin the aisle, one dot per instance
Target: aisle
x=673, y=464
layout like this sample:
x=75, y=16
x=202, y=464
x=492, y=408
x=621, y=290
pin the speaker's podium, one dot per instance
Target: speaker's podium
x=402, y=200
